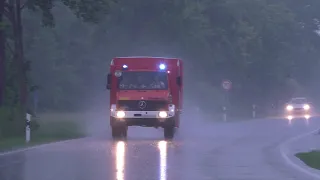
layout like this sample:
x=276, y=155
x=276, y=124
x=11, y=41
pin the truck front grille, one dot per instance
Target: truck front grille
x=142, y=105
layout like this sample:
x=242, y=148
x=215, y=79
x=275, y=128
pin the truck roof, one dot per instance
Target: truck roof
x=146, y=61
x=146, y=57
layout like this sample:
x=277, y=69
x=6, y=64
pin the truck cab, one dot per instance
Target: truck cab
x=145, y=91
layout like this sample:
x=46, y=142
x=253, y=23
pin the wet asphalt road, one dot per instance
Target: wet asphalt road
x=245, y=150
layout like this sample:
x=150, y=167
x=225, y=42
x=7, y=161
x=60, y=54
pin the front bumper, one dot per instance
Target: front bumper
x=145, y=122
x=143, y=118
x=298, y=112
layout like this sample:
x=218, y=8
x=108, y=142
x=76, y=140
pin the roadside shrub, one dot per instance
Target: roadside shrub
x=12, y=122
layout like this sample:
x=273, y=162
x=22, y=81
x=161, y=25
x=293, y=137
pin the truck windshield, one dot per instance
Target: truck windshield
x=134, y=80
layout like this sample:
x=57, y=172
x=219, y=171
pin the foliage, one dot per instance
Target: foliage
x=55, y=127
x=256, y=44
x=268, y=48
x=10, y=125
x=16, y=64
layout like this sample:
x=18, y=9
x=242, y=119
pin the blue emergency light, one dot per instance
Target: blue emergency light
x=162, y=67
x=124, y=66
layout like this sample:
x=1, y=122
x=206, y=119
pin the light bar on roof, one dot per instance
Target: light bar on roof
x=162, y=66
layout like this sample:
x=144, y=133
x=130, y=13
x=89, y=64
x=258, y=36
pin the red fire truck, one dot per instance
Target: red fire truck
x=145, y=91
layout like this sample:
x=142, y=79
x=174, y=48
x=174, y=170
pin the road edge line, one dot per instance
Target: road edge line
x=38, y=146
x=304, y=169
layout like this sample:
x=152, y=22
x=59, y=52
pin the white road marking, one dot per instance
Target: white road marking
x=284, y=155
x=38, y=146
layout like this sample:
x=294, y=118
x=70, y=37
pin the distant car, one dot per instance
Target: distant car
x=298, y=107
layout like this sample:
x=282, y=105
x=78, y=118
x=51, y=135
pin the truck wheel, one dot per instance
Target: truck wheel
x=124, y=132
x=169, y=132
x=119, y=132
x=115, y=133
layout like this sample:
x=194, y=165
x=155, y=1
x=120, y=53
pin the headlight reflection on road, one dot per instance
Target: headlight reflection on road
x=162, y=145
x=307, y=117
x=120, y=159
x=289, y=119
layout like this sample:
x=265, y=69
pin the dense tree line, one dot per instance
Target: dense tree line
x=15, y=65
x=269, y=49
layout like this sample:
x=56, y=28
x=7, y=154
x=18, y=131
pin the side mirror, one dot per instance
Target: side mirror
x=179, y=81
x=109, y=77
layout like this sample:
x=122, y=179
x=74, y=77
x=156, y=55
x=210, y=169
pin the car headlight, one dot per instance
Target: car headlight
x=289, y=108
x=121, y=114
x=163, y=114
x=306, y=107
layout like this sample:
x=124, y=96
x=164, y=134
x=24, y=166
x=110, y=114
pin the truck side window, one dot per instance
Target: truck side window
x=109, y=78
x=179, y=82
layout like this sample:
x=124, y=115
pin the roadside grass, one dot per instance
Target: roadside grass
x=311, y=158
x=53, y=127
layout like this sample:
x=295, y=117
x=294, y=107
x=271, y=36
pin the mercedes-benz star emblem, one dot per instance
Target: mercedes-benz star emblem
x=142, y=104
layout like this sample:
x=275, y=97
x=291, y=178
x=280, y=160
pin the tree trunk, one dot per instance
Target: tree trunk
x=15, y=18
x=2, y=56
x=20, y=56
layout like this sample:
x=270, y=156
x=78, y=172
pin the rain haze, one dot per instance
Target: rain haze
x=159, y=90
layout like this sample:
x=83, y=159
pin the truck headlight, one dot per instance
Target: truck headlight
x=163, y=114
x=289, y=108
x=121, y=114
x=306, y=107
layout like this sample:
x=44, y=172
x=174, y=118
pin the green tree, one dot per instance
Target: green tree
x=256, y=44
x=14, y=66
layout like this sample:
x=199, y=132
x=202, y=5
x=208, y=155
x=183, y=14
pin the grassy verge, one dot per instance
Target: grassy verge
x=53, y=127
x=311, y=159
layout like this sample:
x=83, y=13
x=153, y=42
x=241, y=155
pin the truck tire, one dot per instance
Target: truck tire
x=115, y=133
x=119, y=132
x=169, y=132
x=125, y=132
